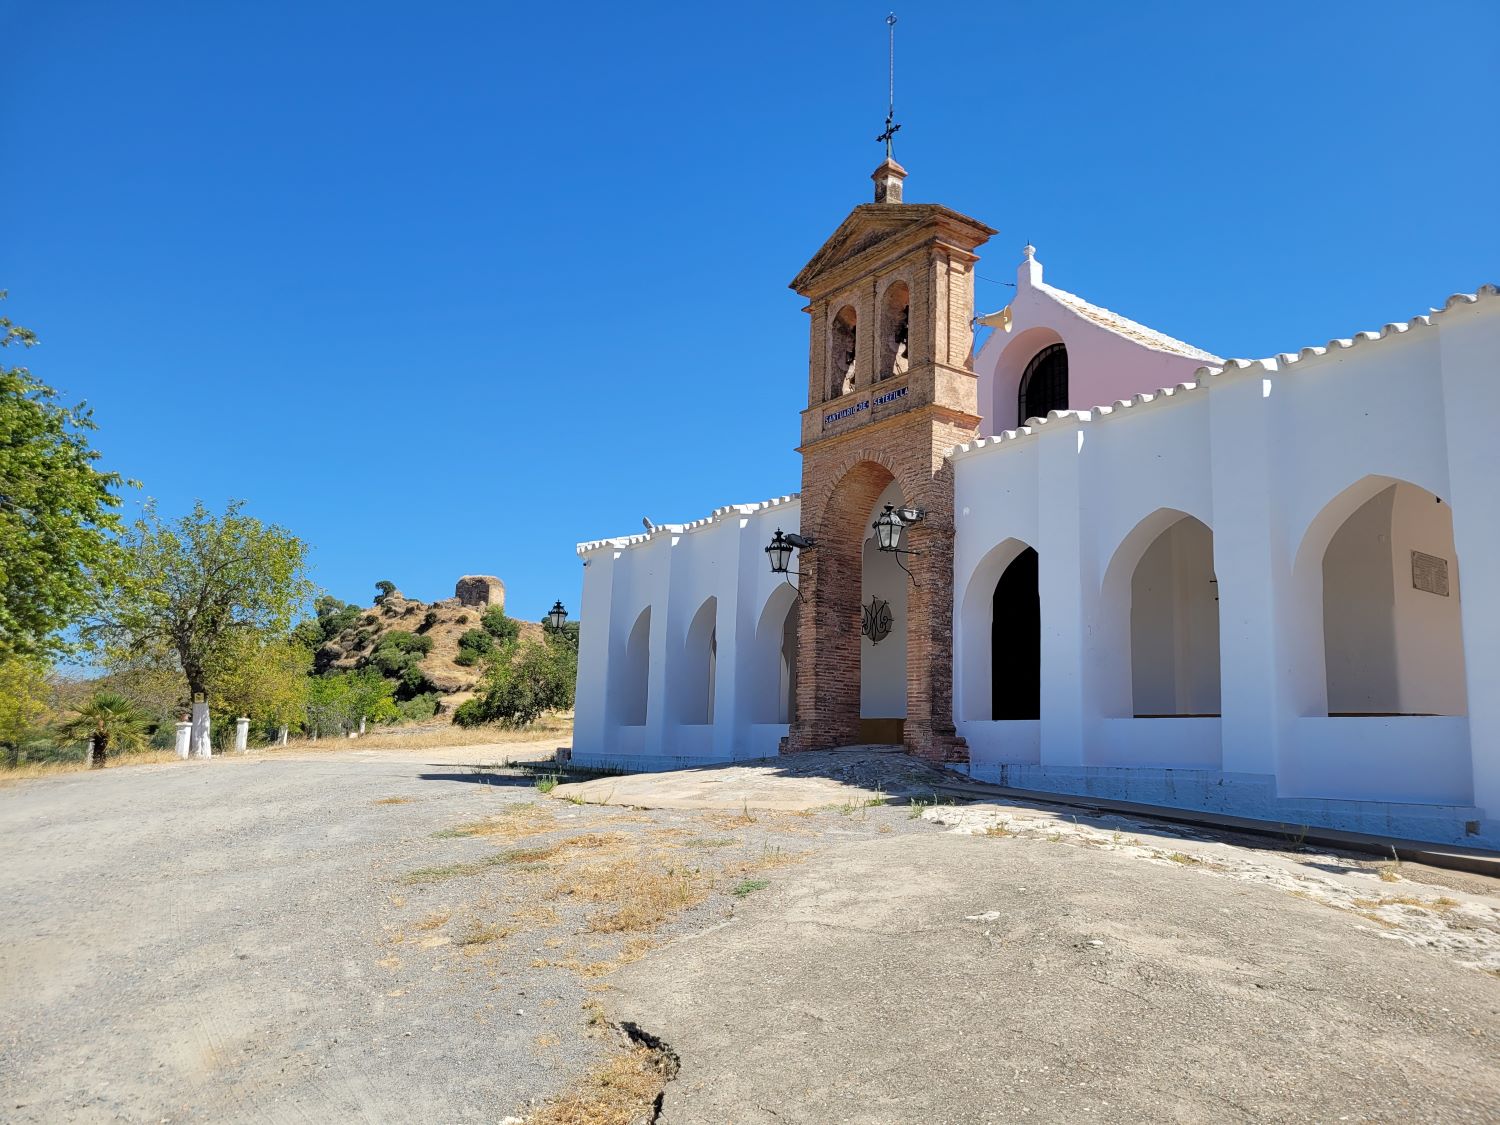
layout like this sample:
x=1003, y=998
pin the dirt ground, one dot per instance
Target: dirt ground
x=392, y=935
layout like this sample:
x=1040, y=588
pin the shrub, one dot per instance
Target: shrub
x=538, y=678
x=474, y=644
x=470, y=713
x=497, y=625
x=402, y=641
x=461, y=619
x=429, y=621
x=422, y=706
x=386, y=589
x=414, y=682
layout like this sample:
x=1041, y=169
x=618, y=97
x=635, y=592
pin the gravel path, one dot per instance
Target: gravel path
x=285, y=938
x=415, y=936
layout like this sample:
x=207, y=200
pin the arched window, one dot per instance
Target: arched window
x=1044, y=386
x=895, y=324
x=843, y=347
x=1016, y=642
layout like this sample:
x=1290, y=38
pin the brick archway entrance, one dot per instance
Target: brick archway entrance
x=837, y=516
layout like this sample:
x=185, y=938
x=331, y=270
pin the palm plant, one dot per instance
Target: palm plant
x=108, y=721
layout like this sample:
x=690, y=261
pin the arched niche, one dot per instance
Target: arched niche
x=1377, y=588
x=882, y=658
x=988, y=620
x=1157, y=653
x=843, y=352
x=895, y=331
x=693, y=677
x=1044, y=384
x=630, y=674
x=773, y=682
x=1174, y=625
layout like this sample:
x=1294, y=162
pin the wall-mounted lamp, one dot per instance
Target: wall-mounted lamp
x=558, y=615
x=780, y=552
x=888, y=527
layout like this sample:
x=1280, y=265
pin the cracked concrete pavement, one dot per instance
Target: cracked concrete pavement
x=969, y=978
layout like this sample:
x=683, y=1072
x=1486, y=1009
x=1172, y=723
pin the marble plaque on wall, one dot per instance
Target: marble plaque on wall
x=1430, y=573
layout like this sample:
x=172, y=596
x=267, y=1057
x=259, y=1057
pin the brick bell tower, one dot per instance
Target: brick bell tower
x=890, y=391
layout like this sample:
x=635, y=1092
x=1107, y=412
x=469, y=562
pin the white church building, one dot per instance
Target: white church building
x=1123, y=566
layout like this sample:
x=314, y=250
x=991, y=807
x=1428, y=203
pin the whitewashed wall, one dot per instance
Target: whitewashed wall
x=1272, y=457
x=678, y=590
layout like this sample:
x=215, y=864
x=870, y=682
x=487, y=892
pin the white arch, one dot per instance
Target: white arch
x=1367, y=638
x=975, y=619
x=692, y=681
x=629, y=675
x=773, y=663
x=1113, y=674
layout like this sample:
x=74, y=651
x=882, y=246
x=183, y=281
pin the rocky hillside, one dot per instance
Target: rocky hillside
x=444, y=623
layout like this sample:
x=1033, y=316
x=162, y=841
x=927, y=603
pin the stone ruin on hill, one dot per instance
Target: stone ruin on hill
x=443, y=621
x=480, y=590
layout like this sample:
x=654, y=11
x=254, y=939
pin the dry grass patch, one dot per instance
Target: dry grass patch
x=30, y=771
x=436, y=920
x=511, y=823
x=393, y=801
x=535, y=916
x=636, y=894
x=1439, y=904
x=480, y=933
x=622, y=1091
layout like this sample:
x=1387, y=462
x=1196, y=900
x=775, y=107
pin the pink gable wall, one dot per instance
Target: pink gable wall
x=1103, y=366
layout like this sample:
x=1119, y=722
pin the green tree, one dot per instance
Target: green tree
x=337, y=702
x=23, y=699
x=384, y=590
x=331, y=618
x=57, y=511
x=191, y=587
x=263, y=678
x=496, y=624
x=521, y=684
x=107, y=720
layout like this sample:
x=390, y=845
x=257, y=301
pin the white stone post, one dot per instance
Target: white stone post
x=242, y=734
x=361, y=724
x=184, y=739
x=202, y=748
x=281, y=738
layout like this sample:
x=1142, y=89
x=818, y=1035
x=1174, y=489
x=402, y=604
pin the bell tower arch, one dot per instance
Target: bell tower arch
x=904, y=395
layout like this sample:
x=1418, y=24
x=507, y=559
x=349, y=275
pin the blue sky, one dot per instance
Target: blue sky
x=445, y=288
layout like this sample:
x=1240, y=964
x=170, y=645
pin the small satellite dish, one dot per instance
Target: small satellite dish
x=647, y=524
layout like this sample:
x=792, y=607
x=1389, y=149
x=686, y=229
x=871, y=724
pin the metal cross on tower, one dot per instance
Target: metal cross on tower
x=891, y=128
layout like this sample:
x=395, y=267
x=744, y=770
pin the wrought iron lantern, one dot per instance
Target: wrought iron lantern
x=779, y=552
x=888, y=529
x=558, y=615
